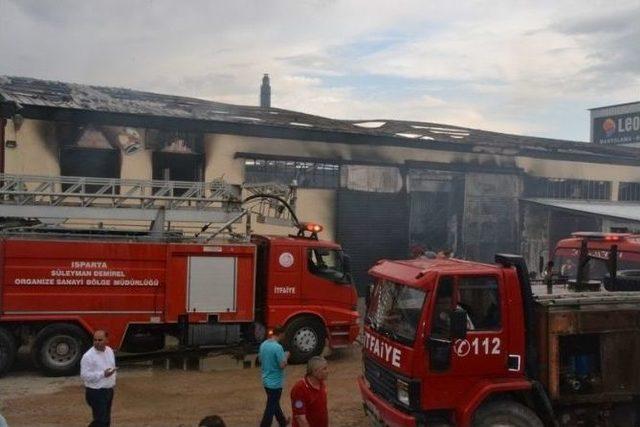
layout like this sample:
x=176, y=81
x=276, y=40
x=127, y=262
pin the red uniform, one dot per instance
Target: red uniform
x=311, y=402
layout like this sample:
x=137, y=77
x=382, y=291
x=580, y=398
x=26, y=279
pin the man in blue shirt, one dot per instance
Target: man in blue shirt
x=273, y=359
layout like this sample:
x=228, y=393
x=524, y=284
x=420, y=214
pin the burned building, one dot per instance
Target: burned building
x=378, y=186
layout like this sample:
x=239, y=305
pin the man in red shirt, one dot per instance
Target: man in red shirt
x=309, y=396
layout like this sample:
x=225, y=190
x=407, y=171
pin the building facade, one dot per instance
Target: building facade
x=379, y=187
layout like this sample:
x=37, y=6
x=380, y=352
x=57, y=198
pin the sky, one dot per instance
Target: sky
x=524, y=67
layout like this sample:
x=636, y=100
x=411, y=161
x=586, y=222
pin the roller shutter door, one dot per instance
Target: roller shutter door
x=372, y=226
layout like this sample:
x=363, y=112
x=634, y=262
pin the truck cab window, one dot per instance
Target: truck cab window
x=480, y=298
x=395, y=311
x=596, y=268
x=326, y=263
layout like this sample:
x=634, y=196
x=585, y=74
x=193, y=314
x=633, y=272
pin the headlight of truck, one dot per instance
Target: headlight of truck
x=403, y=392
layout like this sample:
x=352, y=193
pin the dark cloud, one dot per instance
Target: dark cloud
x=611, y=41
x=599, y=22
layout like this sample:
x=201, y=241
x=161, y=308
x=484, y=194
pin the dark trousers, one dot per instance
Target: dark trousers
x=100, y=400
x=273, y=408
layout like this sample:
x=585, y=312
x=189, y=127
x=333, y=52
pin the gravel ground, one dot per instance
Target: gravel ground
x=148, y=396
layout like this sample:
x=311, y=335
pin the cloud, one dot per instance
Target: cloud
x=483, y=64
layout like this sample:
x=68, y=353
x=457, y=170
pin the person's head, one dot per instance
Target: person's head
x=278, y=333
x=211, y=421
x=430, y=255
x=444, y=253
x=416, y=251
x=100, y=340
x=318, y=368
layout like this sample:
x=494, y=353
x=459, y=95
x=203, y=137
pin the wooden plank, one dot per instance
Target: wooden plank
x=554, y=367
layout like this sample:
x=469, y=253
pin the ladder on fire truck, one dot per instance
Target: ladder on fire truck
x=33, y=202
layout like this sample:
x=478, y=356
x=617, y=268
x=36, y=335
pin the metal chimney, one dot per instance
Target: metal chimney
x=265, y=92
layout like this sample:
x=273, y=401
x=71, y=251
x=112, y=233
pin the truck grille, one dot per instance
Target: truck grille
x=384, y=383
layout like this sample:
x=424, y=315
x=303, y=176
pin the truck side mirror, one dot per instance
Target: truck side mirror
x=346, y=269
x=367, y=298
x=346, y=263
x=439, y=354
x=458, y=329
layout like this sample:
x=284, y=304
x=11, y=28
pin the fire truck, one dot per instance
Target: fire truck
x=164, y=259
x=611, y=260
x=449, y=342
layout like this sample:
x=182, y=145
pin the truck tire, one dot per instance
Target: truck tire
x=305, y=338
x=58, y=348
x=8, y=350
x=505, y=413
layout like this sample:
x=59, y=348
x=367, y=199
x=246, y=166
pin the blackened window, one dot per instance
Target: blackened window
x=177, y=156
x=305, y=174
x=177, y=167
x=89, y=162
x=557, y=188
x=629, y=191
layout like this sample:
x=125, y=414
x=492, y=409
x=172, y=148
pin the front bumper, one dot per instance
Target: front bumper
x=380, y=412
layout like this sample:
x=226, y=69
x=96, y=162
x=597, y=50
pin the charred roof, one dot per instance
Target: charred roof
x=52, y=100
x=45, y=93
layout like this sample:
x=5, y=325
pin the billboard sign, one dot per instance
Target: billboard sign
x=620, y=128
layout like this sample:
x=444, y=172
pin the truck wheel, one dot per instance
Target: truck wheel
x=305, y=338
x=8, y=350
x=506, y=414
x=58, y=348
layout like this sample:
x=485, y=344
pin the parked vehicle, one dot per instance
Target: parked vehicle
x=449, y=342
x=61, y=284
x=593, y=252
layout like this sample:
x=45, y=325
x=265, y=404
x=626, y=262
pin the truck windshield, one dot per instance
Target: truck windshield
x=327, y=263
x=395, y=310
x=566, y=261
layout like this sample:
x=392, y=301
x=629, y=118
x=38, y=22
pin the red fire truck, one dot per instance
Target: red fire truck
x=449, y=342
x=59, y=284
x=602, y=257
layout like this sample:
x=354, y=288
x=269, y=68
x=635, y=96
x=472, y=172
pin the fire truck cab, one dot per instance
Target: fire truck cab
x=592, y=251
x=449, y=342
x=305, y=284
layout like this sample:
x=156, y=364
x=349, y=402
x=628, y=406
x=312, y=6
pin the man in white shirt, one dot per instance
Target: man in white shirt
x=98, y=371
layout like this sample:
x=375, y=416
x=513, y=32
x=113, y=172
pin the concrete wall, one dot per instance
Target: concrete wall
x=317, y=206
x=223, y=147
x=580, y=170
x=137, y=165
x=534, y=234
x=36, y=151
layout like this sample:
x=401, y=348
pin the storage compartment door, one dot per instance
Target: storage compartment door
x=212, y=284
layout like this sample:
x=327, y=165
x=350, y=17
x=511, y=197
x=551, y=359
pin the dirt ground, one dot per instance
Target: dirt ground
x=147, y=396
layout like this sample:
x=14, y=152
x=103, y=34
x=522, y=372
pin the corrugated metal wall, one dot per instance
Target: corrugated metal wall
x=490, y=215
x=372, y=226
